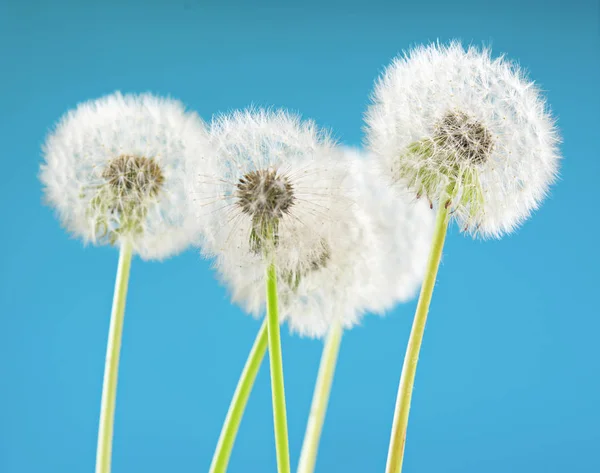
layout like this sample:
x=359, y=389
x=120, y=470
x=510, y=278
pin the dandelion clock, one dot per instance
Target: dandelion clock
x=267, y=204
x=472, y=135
x=116, y=170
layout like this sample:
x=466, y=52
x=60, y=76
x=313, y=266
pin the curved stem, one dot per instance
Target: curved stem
x=310, y=447
x=238, y=402
x=111, y=367
x=276, y=365
x=407, y=379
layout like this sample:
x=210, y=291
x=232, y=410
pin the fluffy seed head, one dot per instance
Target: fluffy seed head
x=275, y=185
x=462, y=129
x=118, y=167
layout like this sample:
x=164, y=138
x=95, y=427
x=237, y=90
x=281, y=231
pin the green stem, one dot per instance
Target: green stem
x=239, y=401
x=111, y=367
x=407, y=379
x=276, y=365
x=308, y=456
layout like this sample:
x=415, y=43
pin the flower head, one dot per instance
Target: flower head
x=372, y=258
x=464, y=130
x=118, y=167
x=273, y=189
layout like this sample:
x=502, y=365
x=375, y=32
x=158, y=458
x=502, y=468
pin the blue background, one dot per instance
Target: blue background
x=508, y=378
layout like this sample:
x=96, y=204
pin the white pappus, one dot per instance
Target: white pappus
x=118, y=167
x=274, y=187
x=465, y=130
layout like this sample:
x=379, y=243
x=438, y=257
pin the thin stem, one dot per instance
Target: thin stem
x=310, y=447
x=407, y=379
x=276, y=364
x=111, y=367
x=238, y=403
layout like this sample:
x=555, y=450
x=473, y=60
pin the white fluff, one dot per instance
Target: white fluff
x=259, y=140
x=94, y=134
x=377, y=257
x=414, y=94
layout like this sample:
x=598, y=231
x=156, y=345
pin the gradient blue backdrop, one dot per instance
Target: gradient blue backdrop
x=508, y=379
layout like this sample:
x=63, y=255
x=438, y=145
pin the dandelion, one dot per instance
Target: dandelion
x=472, y=136
x=466, y=130
x=116, y=171
x=273, y=190
x=270, y=198
x=386, y=266
x=372, y=258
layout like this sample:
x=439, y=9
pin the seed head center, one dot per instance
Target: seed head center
x=319, y=260
x=134, y=176
x=465, y=137
x=265, y=194
x=120, y=203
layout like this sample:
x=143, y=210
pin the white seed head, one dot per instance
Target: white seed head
x=371, y=259
x=274, y=185
x=464, y=130
x=118, y=167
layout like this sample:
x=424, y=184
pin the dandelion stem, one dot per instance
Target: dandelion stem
x=276, y=365
x=308, y=456
x=409, y=368
x=111, y=367
x=238, y=403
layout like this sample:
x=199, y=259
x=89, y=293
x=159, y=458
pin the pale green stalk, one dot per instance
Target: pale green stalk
x=276, y=365
x=238, y=403
x=407, y=379
x=111, y=367
x=310, y=447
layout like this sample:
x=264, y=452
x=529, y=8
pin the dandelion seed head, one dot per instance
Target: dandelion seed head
x=118, y=167
x=465, y=130
x=275, y=185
